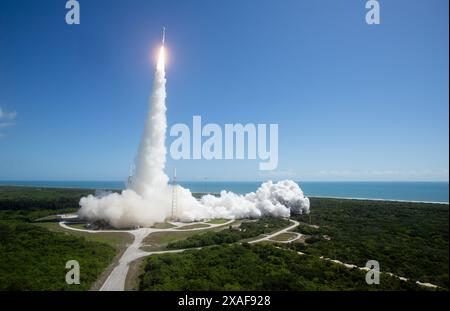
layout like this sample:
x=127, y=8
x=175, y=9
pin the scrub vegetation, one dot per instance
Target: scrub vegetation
x=33, y=258
x=33, y=255
x=254, y=267
x=407, y=239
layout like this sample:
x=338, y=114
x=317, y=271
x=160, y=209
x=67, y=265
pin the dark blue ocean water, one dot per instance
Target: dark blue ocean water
x=408, y=191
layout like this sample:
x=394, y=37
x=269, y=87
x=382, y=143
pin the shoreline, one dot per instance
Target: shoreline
x=377, y=199
x=218, y=193
x=350, y=198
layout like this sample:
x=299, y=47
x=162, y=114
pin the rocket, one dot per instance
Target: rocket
x=163, y=35
x=160, y=63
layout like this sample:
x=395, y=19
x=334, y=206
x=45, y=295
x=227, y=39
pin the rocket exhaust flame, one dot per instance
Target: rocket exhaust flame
x=148, y=197
x=161, y=59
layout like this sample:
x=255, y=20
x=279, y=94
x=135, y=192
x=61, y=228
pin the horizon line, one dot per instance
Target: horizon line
x=208, y=180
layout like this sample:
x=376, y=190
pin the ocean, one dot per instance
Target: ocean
x=405, y=191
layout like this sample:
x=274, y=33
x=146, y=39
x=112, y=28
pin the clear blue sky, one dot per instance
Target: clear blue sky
x=353, y=101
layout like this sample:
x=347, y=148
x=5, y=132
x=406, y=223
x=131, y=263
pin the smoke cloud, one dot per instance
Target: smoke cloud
x=148, y=197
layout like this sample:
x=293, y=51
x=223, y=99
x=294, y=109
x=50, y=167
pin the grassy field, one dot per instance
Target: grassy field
x=118, y=240
x=77, y=226
x=163, y=225
x=284, y=237
x=159, y=240
x=217, y=221
x=247, y=230
x=194, y=226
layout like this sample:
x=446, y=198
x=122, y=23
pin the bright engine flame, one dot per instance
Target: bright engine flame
x=161, y=59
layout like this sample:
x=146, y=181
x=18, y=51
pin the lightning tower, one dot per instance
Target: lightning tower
x=174, y=194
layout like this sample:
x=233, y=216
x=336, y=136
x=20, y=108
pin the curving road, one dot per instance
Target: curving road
x=116, y=279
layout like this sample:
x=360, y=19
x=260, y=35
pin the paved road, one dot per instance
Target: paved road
x=116, y=279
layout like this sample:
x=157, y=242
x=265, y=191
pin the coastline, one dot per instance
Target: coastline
x=350, y=198
x=197, y=193
x=382, y=200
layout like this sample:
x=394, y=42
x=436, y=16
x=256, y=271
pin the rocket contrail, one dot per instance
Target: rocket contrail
x=151, y=158
x=148, y=196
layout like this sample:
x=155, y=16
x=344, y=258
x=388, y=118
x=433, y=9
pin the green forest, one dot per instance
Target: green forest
x=407, y=239
x=34, y=258
x=33, y=198
x=254, y=267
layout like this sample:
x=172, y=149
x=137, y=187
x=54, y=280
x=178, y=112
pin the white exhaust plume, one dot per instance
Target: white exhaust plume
x=149, y=170
x=148, y=197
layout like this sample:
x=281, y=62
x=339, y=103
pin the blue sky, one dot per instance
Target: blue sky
x=353, y=101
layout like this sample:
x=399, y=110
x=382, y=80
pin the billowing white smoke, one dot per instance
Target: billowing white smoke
x=148, y=198
x=149, y=173
x=130, y=209
x=271, y=199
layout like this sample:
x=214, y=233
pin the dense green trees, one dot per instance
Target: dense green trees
x=254, y=267
x=33, y=258
x=407, y=239
x=31, y=198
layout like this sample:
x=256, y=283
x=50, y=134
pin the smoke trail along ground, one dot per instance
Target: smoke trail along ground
x=148, y=197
